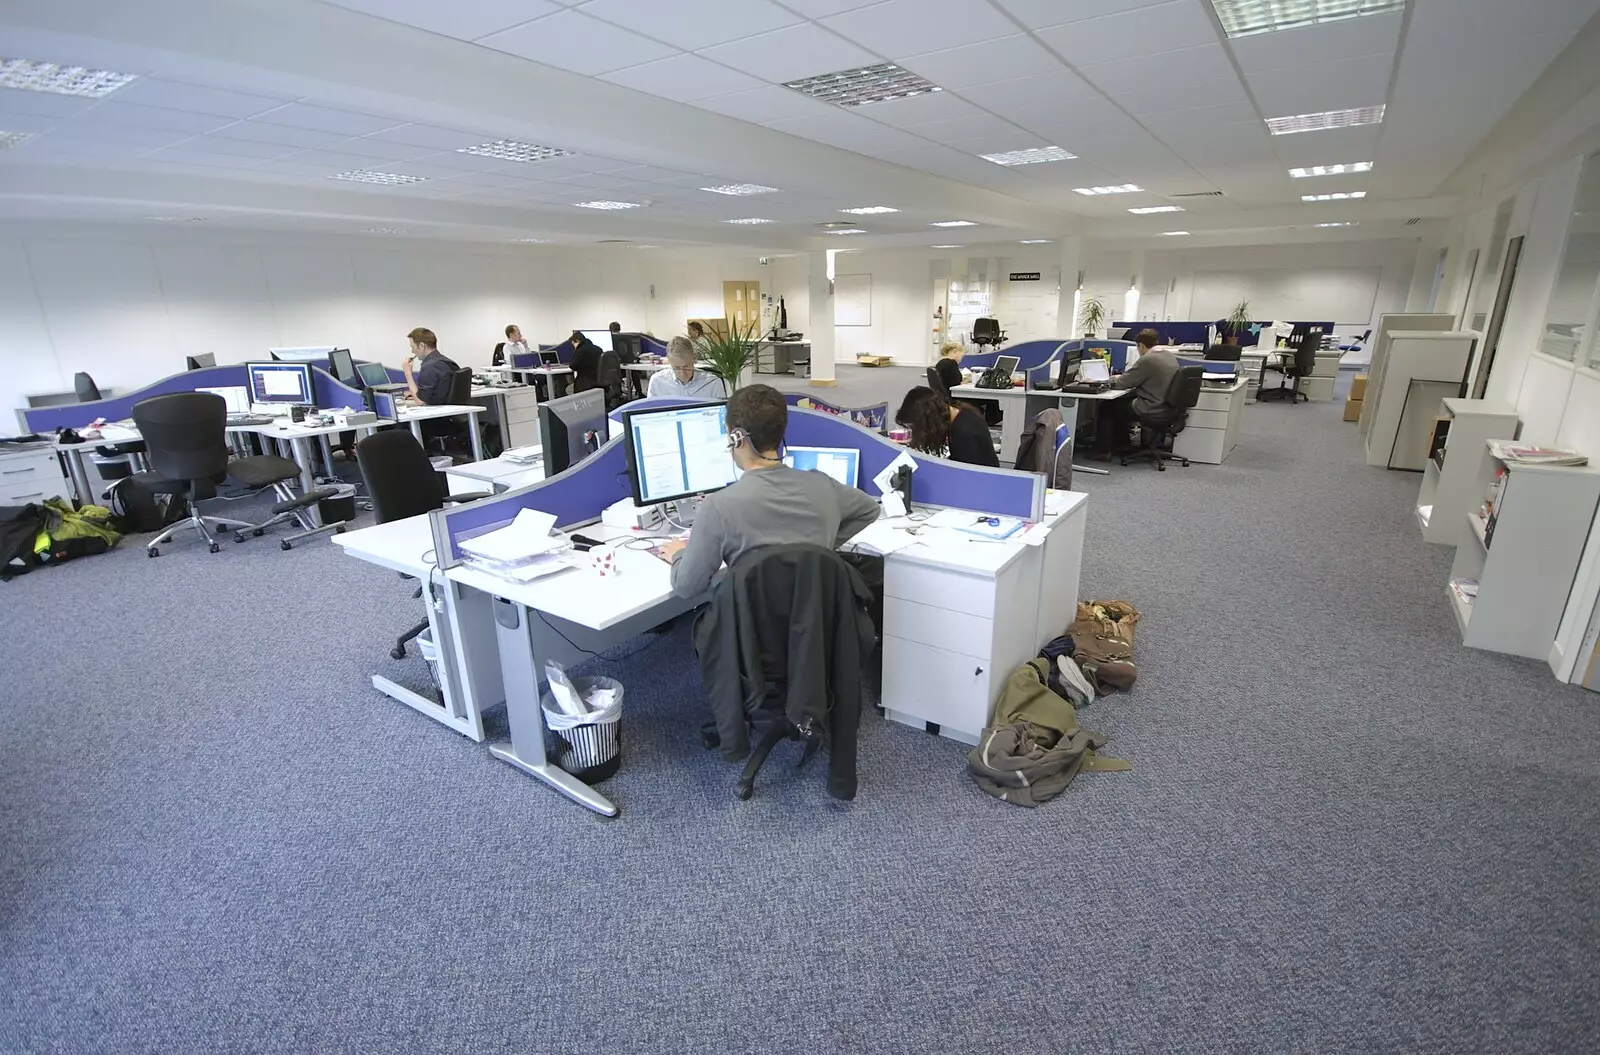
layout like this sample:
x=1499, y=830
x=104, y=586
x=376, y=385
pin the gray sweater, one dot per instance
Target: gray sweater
x=1149, y=378
x=764, y=508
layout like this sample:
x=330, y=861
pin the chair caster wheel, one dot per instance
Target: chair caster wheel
x=153, y=552
x=746, y=789
x=258, y=532
x=339, y=530
x=1161, y=467
x=285, y=545
x=216, y=547
x=238, y=539
x=398, y=652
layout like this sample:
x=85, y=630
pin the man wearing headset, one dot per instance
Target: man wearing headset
x=771, y=504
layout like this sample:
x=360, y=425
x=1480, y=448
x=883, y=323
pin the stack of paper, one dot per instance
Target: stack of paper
x=885, y=537
x=523, y=550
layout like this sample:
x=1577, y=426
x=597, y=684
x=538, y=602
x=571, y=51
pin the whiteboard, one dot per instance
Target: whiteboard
x=852, y=300
x=1336, y=294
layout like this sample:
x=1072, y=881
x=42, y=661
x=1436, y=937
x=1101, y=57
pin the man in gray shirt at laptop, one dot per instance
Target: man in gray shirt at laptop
x=1149, y=377
x=769, y=505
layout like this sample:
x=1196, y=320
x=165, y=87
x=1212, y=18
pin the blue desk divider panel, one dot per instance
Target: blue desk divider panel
x=1029, y=354
x=1046, y=371
x=875, y=417
x=331, y=394
x=660, y=402
x=77, y=415
x=650, y=346
x=524, y=360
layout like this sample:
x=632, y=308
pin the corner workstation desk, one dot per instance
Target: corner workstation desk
x=959, y=615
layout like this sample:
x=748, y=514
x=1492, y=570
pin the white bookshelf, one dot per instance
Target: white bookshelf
x=1423, y=368
x=1450, y=483
x=1525, y=568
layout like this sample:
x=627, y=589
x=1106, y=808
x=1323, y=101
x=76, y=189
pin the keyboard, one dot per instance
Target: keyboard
x=1086, y=388
x=250, y=419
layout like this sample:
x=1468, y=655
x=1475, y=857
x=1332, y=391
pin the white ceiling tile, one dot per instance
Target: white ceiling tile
x=189, y=155
x=452, y=159
x=1199, y=120
x=824, y=8
x=240, y=147
x=26, y=123
x=1146, y=31
x=463, y=19
x=1338, y=85
x=980, y=135
x=1064, y=90
x=899, y=28
x=760, y=105
x=1288, y=48
x=41, y=104
x=196, y=99
x=789, y=54
x=978, y=64
x=683, y=78
x=430, y=136
x=118, y=113
x=331, y=161
x=328, y=119
x=288, y=138
x=707, y=22
x=1199, y=76
x=131, y=135
x=1036, y=14
x=576, y=42
x=920, y=110
x=1335, y=146
x=381, y=149
x=844, y=129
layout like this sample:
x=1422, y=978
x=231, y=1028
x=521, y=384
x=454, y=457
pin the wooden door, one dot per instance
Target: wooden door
x=741, y=305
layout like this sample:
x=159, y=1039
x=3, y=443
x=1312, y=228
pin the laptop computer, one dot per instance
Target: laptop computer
x=375, y=377
x=1095, y=371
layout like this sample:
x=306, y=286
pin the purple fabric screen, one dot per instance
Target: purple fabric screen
x=77, y=415
x=875, y=417
x=1029, y=354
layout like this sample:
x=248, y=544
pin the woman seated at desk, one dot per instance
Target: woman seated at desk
x=949, y=365
x=949, y=430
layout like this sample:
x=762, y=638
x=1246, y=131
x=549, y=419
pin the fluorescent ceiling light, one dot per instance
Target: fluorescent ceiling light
x=515, y=150
x=879, y=83
x=385, y=230
x=644, y=246
x=60, y=80
x=740, y=188
x=532, y=241
x=1172, y=234
x=750, y=219
x=1361, y=115
x=845, y=230
x=1034, y=241
x=1331, y=170
x=1031, y=156
x=953, y=223
x=1126, y=188
x=1338, y=196
x=177, y=219
x=388, y=179
x=1341, y=223
x=607, y=205
x=1243, y=18
x=11, y=139
x=947, y=247
x=1149, y=209
x=869, y=210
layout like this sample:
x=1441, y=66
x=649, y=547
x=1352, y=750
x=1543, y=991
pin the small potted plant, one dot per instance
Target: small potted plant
x=730, y=354
x=1092, y=316
x=1237, y=324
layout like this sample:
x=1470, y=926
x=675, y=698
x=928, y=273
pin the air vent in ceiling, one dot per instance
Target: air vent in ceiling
x=1413, y=221
x=1199, y=194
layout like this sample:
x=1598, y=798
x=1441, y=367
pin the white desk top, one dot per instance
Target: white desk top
x=1218, y=386
x=399, y=545
x=507, y=368
x=424, y=412
x=645, y=367
x=485, y=391
x=973, y=392
x=493, y=470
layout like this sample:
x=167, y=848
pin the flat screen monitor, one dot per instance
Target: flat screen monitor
x=279, y=382
x=677, y=452
x=1006, y=365
x=601, y=338
x=572, y=428
x=342, y=365
x=841, y=463
x=236, y=397
x=549, y=358
x=372, y=375
x=301, y=355
x=1120, y=333
x=201, y=361
x=628, y=346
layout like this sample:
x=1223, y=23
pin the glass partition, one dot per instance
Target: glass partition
x=1569, y=320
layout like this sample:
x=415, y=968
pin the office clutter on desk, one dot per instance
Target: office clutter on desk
x=1526, y=454
x=523, y=550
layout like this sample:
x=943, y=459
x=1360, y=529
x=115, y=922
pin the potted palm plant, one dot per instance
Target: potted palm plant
x=731, y=354
x=1092, y=315
x=1238, y=321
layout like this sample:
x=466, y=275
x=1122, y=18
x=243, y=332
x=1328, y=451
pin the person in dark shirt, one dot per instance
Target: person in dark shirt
x=949, y=430
x=1149, y=377
x=585, y=363
x=949, y=365
x=429, y=373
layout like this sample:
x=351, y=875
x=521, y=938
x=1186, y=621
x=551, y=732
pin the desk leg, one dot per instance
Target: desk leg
x=416, y=430
x=477, y=440
x=80, y=476
x=519, y=669
x=327, y=455
x=301, y=448
x=558, y=385
x=1069, y=412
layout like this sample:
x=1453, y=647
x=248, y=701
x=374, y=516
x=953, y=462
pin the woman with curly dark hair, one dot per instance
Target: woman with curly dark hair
x=949, y=430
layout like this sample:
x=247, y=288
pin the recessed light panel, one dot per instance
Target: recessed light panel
x=1338, y=196
x=11, y=139
x=750, y=219
x=1032, y=156
x=388, y=179
x=60, y=80
x=844, y=230
x=1243, y=18
x=878, y=83
x=869, y=210
x=531, y=241
x=1151, y=209
x=1126, y=188
x=954, y=223
x=1174, y=234
x=1362, y=115
x=947, y=247
x=177, y=219
x=1331, y=170
x=1034, y=241
x=607, y=205
x=385, y=230
x=515, y=150
x=1341, y=223
x=740, y=188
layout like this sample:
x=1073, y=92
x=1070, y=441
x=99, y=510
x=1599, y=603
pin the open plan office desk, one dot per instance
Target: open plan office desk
x=980, y=608
x=1019, y=406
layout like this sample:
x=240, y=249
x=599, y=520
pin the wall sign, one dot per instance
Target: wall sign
x=1024, y=276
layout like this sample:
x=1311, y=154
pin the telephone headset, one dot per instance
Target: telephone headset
x=737, y=438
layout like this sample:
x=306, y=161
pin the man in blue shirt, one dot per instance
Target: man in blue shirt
x=428, y=373
x=681, y=380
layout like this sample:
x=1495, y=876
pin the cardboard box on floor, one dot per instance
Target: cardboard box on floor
x=1352, y=409
x=1358, y=388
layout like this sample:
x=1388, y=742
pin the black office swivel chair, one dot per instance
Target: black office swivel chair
x=186, y=433
x=800, y=678
x=499, y=357
x=112, y=461
x=441, y=433
x=1305, y=361
x=402, y=483
x=609, y=376
x=1158, y=428
x=988, y=332
x=1224, y=353
x=936, y=383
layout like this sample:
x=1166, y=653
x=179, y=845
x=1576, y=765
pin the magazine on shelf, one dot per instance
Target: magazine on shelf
x=1514, y=453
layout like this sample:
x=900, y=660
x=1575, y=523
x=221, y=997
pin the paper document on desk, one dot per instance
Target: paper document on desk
x=522, y=540
x=885, y=537
x=976, y=524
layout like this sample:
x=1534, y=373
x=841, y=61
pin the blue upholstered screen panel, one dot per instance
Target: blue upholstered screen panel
x=77, y=415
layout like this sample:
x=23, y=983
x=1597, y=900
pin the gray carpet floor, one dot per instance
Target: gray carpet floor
x=1342, y=832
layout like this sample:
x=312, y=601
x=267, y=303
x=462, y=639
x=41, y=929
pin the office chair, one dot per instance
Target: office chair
x=936, y=383
x=781, y=649
x=499, y=356
x=112, y=461
x=1158, y=428
x=402, y=483
x=439, y=433
x=608, y=375
x=1224, y=353
x=187, y=437
x=1305, y=361
x=988, y=332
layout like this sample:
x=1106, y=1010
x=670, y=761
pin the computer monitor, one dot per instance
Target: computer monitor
x=572, y=428
x=628, y=346
x=677, y=452
x=841, y=463
x=601, y=338
x=237, y=397
x=1006, y=365
x=1118, y=333
x=279, y=382
x=549, y=357
x=301, y=355
x=1069, y=364
x=200, y=362
x=342, y=365
x=371, y=375
x=1095, y=371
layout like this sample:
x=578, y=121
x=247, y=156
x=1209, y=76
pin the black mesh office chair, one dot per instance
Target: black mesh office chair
x=1158, y=428
x=936, y=383
x=988, y=332
x=186, y=434
x=402, y=483
x=1305, y=361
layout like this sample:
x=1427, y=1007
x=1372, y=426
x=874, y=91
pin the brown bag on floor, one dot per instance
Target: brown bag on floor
x=1102, y=640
